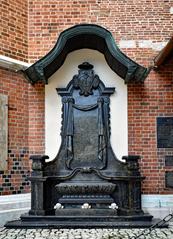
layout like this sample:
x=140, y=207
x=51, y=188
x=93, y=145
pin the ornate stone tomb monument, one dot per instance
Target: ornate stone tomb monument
x=85, y=185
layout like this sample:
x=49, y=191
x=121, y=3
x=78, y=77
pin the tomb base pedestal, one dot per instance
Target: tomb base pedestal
x=84, y=219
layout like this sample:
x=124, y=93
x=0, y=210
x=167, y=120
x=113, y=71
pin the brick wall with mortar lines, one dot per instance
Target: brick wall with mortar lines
x=13, y=180
x=36, y=24
x=127, y=20
x=146, y=102
x=36, y=127
x=14, y=29
x=22, y=141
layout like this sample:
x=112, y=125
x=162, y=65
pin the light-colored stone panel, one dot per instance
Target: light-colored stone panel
x=12, y=206
x=171, y=10
x=127, y=44
x=3, y=131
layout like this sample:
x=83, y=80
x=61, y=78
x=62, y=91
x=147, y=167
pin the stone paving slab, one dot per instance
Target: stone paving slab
x=164, y=233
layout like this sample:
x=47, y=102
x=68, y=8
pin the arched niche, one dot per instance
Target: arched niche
x=95, y=44
x=118, y=105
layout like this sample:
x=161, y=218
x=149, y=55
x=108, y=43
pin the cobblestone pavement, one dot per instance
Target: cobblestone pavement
x=82, y=233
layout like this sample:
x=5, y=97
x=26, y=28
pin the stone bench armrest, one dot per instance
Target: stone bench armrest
x=38, y=162
x=132, y=162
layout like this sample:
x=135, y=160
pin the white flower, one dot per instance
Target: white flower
x=58, y=206
x=86, y=206
x=113, y=206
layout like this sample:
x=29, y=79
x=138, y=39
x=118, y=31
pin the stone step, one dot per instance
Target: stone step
x=47, y=224
x=12, y=206
x=10, y=215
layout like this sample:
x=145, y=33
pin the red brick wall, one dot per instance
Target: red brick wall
x=13, y=29
x=36, y=130
x=146, y=102
x=126, y=19
x=25, y=129
x=13, y=180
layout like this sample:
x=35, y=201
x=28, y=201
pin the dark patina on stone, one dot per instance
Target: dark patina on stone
x=91, y=187
x=165, y=132
x=169, y=179
x=169, y=160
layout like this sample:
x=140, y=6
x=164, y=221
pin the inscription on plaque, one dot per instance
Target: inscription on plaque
x=169, y=179
x=3, y=131
x=169, y=160
x=165, y=132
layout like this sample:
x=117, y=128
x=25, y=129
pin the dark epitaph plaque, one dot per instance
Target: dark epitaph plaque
x=165, y=132
x=169, y=160
x=169, y=179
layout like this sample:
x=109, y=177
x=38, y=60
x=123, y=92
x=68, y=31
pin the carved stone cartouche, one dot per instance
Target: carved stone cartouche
x=86, y=80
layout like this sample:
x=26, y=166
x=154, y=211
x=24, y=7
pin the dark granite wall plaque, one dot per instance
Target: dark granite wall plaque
x=169, y=179
x=169, y=160
x=165, y=132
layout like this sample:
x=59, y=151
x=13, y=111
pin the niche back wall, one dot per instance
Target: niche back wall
x=118, y=106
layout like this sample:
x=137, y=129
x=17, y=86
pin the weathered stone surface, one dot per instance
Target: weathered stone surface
x=169, y=179
x=3, y=131
x=164, y=132
x=169, y=160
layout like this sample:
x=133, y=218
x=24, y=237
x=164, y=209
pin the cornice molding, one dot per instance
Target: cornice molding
x=92, y=37
x=13, y=64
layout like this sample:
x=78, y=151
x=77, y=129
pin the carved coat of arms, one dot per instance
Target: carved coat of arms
x=86, y=80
